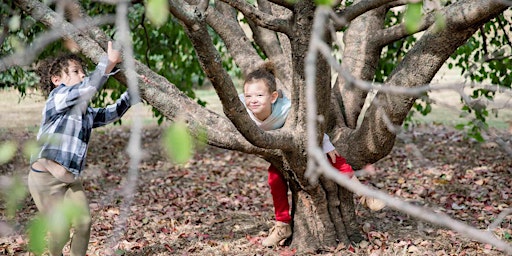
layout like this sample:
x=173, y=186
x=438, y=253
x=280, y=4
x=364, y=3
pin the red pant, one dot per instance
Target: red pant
x=279, y=188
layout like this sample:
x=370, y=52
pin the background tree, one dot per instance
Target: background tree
x=281, y=31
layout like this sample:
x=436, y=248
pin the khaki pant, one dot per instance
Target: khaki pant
x=47, y=192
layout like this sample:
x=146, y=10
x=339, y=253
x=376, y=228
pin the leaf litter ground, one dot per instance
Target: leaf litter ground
x=219, y=203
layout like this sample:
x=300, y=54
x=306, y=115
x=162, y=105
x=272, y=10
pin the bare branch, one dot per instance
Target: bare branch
x=386, y=36
x=456, y=16
x=416, y=211
x=28, y=54
x=184, y=12
x=271, y=44
x=285, y=3
x=233, y=36
x=343, y=17
x=261, y=18
x=134, y=148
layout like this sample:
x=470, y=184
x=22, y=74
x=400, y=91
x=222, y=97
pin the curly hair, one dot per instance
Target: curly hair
x=54, y=66
x=265, y=72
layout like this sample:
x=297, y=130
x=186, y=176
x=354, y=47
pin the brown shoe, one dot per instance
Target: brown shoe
x=373, y=204
x=279, y=232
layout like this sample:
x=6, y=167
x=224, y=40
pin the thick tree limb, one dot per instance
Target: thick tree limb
x=236, y=41
x=262, y=19
x=209, y=59
x=269, y=42
x=434, y=47
x=360, y=59
x=344, y=16
x=284, y=3
x=386, y=36
x=456, y=16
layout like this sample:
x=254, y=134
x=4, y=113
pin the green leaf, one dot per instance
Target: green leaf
x=15, y=23
x=61, y=217
x=37, y=235
x=29, y=148
x=13, y=193
x=7, y=151
x=459, y=126
x=412, y=17
x=507, y=236
x=157, y=11
x=440, y=22
x=178, y=142
x=324, y=2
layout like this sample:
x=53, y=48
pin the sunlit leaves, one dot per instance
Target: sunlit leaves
x=178, y=142
x=413, y=16
x=157, y=11
x=14, y=22
x=13, y=192
x=7, y=151
x=484, y=58
x=56, y=223
x=29, y=148
x=37, y=230
x=324, y=2
x=440, y=21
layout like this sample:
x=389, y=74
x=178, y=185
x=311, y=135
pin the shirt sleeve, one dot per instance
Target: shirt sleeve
x=327, y=146
x=68, y=96
x=113, y=112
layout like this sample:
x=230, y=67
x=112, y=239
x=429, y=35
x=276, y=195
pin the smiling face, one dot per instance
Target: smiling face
x=259, y=99
x=74, y=75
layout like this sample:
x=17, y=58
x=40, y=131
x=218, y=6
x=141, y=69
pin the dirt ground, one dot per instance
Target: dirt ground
x=219, y=202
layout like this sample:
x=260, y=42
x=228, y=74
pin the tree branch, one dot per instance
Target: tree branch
x=316, y=158
x=269, y=42
x=261, y=18
x=29, y=54
x=456, y=16
x=419, y=212
x=160, y=93
x=343, y=17
x=284, y=3
x=233, y=36
x=386, y=36
x=210, y=62
x=434, y=47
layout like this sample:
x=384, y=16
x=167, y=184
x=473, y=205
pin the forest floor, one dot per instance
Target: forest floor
x=219, y=202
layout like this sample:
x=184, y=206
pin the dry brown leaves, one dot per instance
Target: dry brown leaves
x=219, y=203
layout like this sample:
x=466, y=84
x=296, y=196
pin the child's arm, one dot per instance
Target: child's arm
x=329, y=148
x=111, y=113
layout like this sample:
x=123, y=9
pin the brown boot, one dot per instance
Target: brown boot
x=373, y=204
x=277, y=233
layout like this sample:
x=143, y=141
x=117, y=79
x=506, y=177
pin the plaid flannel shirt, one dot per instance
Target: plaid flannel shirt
x=68, y=120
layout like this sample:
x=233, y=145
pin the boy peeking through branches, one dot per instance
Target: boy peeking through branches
x=268, y=108
x=66, y=127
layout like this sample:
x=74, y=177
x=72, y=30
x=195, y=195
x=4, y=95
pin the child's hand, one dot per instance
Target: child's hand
x=332, y=155
x=114, y=56
x=145, y=79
